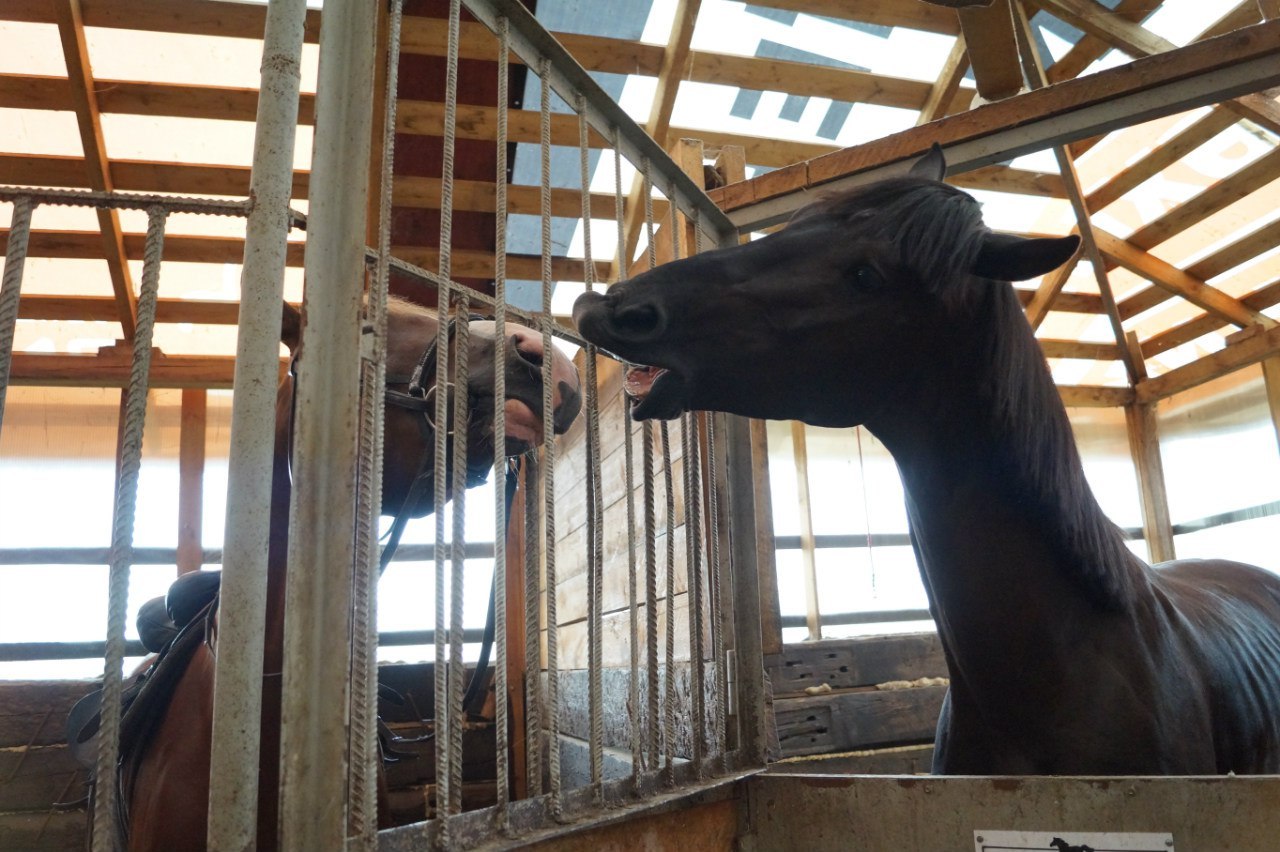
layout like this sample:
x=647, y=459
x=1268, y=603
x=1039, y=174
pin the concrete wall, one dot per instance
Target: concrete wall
x=935, y=814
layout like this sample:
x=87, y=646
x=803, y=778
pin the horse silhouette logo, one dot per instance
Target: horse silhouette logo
x=1063, y=846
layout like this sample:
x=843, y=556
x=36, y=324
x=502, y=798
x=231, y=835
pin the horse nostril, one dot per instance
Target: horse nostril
x=532, y=357
x=637, y=319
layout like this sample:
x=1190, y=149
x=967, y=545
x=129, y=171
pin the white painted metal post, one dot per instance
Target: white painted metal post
x=317, y=649
x=237, y=702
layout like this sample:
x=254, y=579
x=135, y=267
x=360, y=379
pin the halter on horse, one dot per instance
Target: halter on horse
x=166, y=730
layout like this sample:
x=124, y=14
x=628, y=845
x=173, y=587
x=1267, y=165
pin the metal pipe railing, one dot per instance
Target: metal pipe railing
x=237, y=697
x=317, y=650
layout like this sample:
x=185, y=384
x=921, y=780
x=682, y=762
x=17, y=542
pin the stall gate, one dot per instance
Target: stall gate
x=643, y=534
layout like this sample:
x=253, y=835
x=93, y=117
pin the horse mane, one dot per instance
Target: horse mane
x=938, y=230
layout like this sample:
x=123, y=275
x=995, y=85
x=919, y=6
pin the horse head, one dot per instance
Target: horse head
x=409, y=427
x=824, y=321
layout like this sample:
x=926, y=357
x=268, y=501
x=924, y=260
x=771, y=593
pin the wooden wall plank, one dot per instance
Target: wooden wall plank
x=35, y=711
x=850, y=663
x=857, y=720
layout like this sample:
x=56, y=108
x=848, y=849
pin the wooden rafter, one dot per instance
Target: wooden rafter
x=1034, y=70
x=1161, y=157
x=467, y=263
x=1226, y=258
x=674, y=62
x=1090, y=48
x=988, y=34
x=112, y=370
x=191, y=458
x=886, y=13
x=943, y=94
x=81, y=89
x=1206, y=323
x=1223, y=193
x=1178, y=282
x=1077, y=109
x=1243, y=353
x=623, y=56
x=1133, y=39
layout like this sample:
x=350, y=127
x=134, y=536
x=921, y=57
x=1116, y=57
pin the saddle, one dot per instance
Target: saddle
x=171, y=627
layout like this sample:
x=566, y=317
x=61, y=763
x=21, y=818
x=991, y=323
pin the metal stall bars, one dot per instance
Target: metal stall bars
x=158, y=209
x=521, y=34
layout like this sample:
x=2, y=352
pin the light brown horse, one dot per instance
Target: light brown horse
x=165, y=753
x=889, y=305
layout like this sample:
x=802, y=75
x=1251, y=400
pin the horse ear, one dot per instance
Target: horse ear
x=290, y=327
x=1005, y=257
x=932, y=165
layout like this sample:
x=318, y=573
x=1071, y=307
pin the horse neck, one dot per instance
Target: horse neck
x=1005, y=525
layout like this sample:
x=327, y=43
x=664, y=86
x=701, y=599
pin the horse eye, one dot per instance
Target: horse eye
x=867, y=278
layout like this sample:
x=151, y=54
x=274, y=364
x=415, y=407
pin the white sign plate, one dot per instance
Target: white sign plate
x=1071, y=841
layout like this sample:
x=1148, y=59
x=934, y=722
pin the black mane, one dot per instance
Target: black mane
x=939, y=231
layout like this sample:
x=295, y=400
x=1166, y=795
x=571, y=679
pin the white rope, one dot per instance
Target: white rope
x=443, y=726
x=127, y=201
x=633, y=686
x=669, y=704
x=106, y=804
x=499, y=431
x=532, y=659
x=14, y=260
x=549, y=450
x=595, y=509
x=364, y=675
x=650, y=527
x=461, y=414
x=714, y=570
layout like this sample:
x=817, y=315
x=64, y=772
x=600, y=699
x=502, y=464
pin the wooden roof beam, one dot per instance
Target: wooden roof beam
x=190, y=17
x=911, y=14
x=1161, y=157
x=201, y=249
x=1034, y=69
x=425, y=36
x=99, y=309
x=111, y=370
x=1235, y=356
x=1207, y=323
x=1226, y=258
x=944, y=91
x=1094, y=18
x=1193, y=76
x=1090, y=48
x=1174, y=280
x=988, y=33
x=98, y=171
x=1220, y=195
x=675, y=60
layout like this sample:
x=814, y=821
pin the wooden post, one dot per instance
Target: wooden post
x=1144, y=444
x=1271, y=376
x=191, y=480
x=731, y=163
x=800, y=452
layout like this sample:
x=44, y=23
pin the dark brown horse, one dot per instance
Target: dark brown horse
x=889, y=306
x=165, y=766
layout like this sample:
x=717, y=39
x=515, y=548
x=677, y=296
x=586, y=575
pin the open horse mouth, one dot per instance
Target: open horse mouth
x=523, y=427
x=657, y=393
